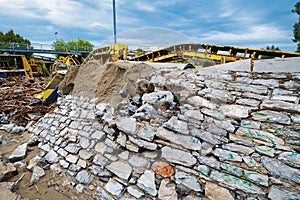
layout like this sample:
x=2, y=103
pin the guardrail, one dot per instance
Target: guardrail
x=43, y=48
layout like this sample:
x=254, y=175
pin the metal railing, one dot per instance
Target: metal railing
x=43, y=48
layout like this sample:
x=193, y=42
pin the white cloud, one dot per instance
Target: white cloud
x=255, y=33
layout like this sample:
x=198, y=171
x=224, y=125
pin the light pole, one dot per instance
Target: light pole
x=55, y=33
x=114, y=19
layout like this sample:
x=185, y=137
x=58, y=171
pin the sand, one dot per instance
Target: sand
x=105, y=82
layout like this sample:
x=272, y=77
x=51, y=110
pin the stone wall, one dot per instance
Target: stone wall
x=231, y=135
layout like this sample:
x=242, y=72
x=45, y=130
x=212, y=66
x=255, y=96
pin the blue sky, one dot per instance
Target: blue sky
x=143, y=23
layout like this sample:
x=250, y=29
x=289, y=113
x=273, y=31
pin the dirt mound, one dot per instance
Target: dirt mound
x=107, y=81
x=67, y=85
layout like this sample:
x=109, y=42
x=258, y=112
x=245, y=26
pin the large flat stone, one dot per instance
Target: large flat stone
x=271, y=116
x=187, y=142
x=277, y=193
x=188, y=181
x=19, y=153
x=121, y=169
x=114, y=187
x=235, y=111
x=147, y=183
x=236, y=183
x=127, y=124
x=178, y=156
x=281, y=170
x=177, y=125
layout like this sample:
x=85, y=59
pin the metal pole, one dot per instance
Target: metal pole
x=114, y=18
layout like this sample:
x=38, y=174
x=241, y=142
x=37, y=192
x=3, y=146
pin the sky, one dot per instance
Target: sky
x=146, y=23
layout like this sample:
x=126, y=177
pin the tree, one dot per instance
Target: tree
x=10, y=38
x=73, y=45
x=296, y=30
x=272, y=48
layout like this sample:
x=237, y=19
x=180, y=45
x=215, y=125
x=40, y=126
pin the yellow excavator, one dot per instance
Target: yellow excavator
x=19, y=67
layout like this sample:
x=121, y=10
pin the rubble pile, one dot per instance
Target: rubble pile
x=16, y=100
x=181, y=135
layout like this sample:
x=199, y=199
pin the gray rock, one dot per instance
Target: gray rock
x=250, y=161
x=121, y=169
x=85, y=154
x=7, y=171
x=33, y=162
x=292, y=99
x=194, y=114
x=114, y=187
x=187, y=142
x=147, y=183
x=147, y=132
x=257, y=89
x=209, y=161
x=103, y=195
x=271, y=116
x=216, y=95
x=84, y=142
x=17, y=129
x=262, y=135
x=143, y=144
x=201, y=102
x=248, y=102
x=188, y=181
x=250, y=124
x=236, y=183
x=72, y=148
x=146, y=111
x=138, y=161
x=37, y=173
x=99, y=135
x=214, y=114
x=84, y=177
x=237, y=171
x=51, y=156
x=177, y=125
x=126, y=124
x=167, y=191
x=281, y=105
x=158, y=97
x=79, y=188
x=178, y=156
x=255, y=177
x=295, y=118
x=290, y=158
x=235, y=111
x=277, y=193
x=102, y=108
x=281, y=170
x=238, y=148
x=72, y=158
x=203, y=169
x=19, y=153
x=267, y=82
x=134, y=191
x=205, y=136
x=227, y=155
x=99, y=159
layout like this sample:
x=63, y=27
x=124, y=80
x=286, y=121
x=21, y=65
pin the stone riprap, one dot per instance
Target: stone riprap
x=234, y=133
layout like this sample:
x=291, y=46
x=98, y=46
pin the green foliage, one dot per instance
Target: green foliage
x=19, y=42
x=296, y=30
x=44, y=68
x=76, y=45
x=273, y=48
